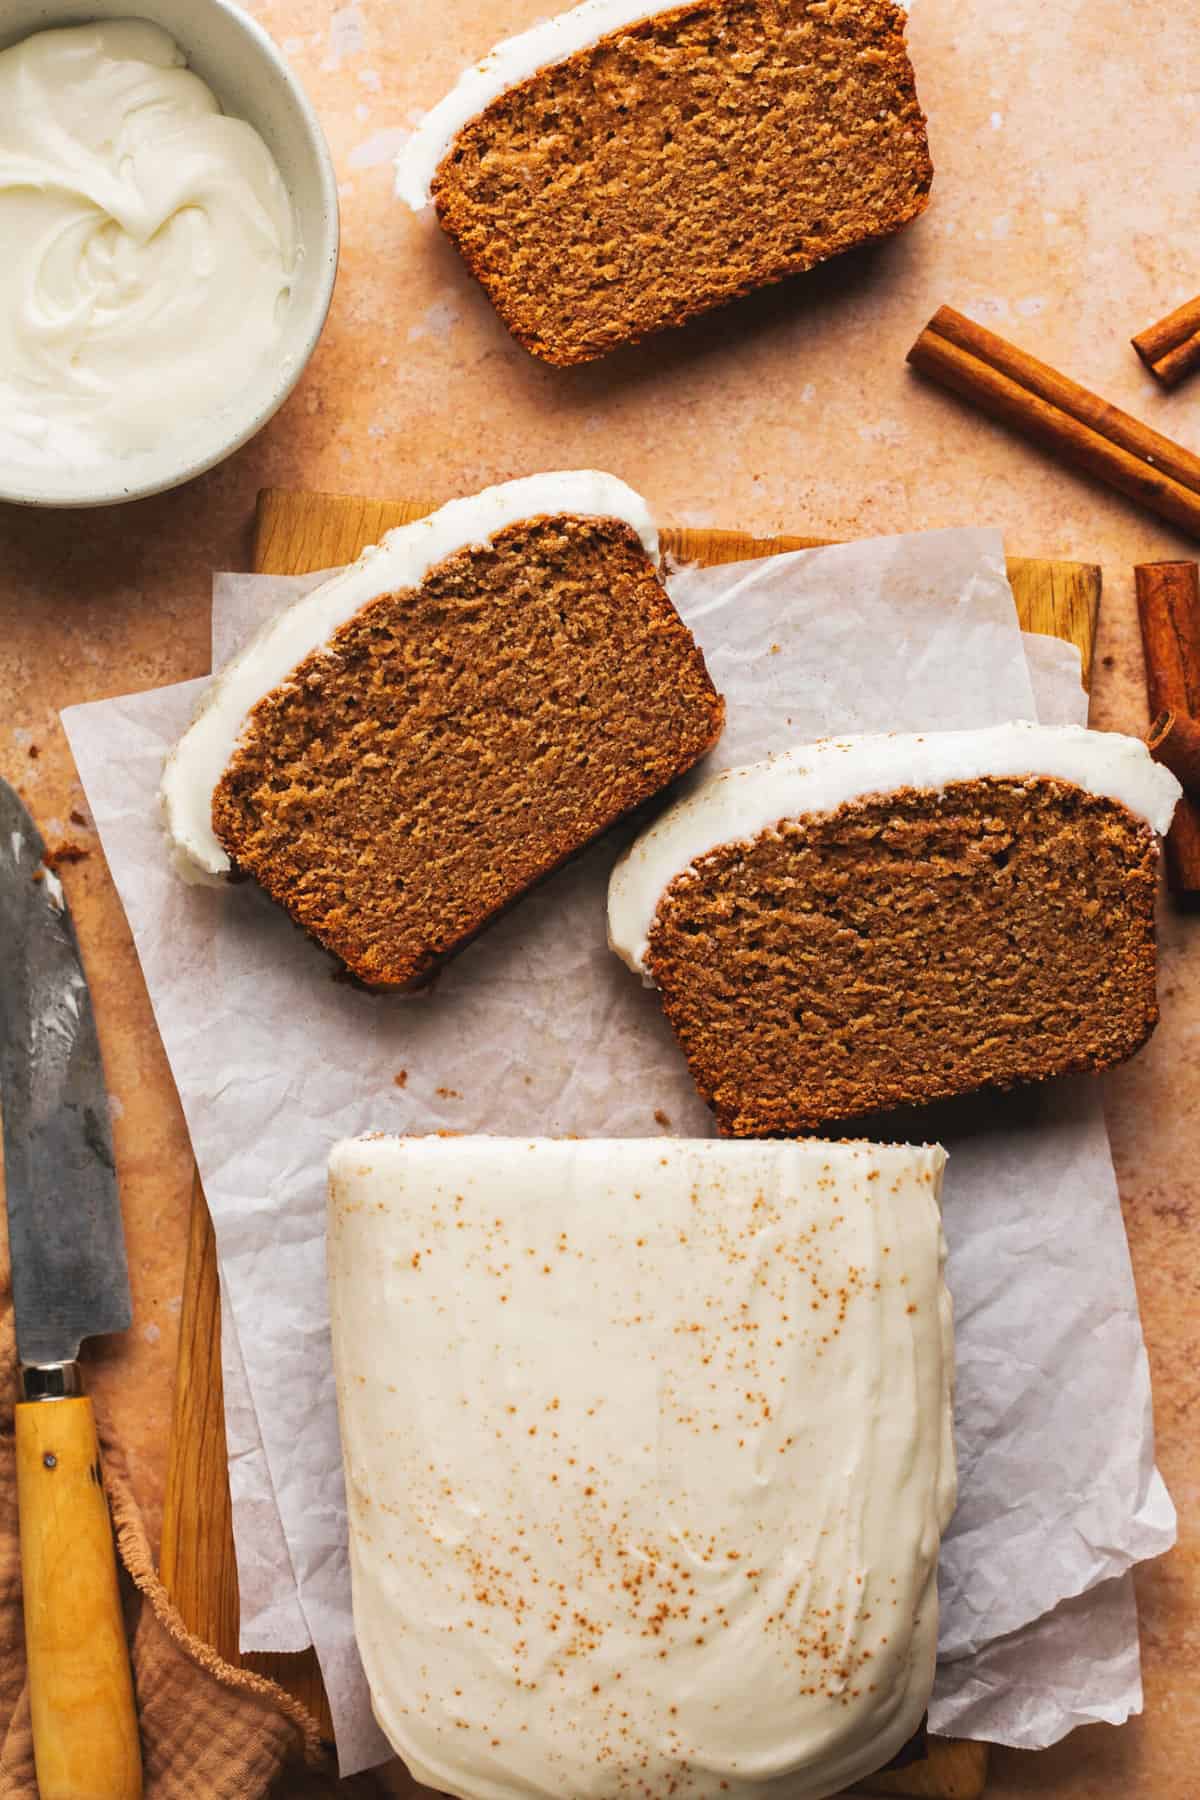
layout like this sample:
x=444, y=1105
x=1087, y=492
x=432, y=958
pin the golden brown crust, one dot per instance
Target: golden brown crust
x=454, y=743
x=682, y=162
x=910, y=948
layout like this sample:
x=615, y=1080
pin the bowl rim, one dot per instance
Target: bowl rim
x=113, y=492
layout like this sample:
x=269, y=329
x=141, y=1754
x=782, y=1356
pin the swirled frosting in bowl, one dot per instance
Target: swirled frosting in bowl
x=150, y=247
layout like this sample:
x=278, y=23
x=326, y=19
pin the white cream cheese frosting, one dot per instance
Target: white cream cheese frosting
x=739, y=804
x=648, y=1451
x=505, y=66
x=401, y=560
x=150, y=246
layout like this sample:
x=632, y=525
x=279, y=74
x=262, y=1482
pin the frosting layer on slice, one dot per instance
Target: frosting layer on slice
x=818, y=778
x=648, y=1452
x=401, y=560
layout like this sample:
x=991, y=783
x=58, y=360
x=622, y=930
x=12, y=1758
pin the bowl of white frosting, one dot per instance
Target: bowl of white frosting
x=169, y=223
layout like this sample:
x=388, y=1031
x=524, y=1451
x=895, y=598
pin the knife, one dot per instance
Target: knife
x=69, y=1281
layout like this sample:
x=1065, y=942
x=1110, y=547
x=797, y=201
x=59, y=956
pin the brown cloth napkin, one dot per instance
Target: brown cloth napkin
x=209, y=1731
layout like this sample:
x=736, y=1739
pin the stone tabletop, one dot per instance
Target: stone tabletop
x=1063, y=215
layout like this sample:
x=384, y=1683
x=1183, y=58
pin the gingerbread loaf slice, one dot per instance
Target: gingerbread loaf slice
x=876, y=922
x=627, y=165
x=407, y=749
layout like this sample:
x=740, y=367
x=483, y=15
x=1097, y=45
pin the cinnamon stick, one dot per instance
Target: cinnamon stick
x=1174, y=741
x=1168, y=601
x=1087, y=432
x=1171, y=349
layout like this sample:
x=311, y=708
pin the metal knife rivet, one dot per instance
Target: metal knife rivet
x=49, y=1461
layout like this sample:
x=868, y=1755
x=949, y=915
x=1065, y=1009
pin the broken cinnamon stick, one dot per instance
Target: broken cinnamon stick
x=1171, y=349
x=1087, y=432
x=1174, y=741
x=1168, y=602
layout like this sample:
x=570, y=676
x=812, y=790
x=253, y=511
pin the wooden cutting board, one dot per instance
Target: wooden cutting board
x=298, y=532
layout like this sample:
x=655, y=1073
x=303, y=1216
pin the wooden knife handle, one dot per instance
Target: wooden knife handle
x=85, y=1733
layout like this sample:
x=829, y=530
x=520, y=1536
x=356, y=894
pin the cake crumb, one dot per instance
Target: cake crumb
x=985, y=863
x=401, y=1078
x=662, y=1118
x=627, y=672
x=448, y=1093
x=575, y=268
x=33, y=752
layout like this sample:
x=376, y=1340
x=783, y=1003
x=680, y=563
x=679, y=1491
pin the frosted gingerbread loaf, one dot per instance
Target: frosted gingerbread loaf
x=648, y=1451
x=876, y=922
x=626, y=165
x=402, y=753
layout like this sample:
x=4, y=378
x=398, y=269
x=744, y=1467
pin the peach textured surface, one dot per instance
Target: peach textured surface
x=1063, y=215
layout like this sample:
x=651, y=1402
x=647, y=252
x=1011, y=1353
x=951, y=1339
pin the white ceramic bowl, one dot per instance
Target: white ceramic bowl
x=253, y=82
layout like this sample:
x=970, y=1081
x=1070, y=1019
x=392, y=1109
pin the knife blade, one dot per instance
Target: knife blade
x=69, y=1273
x=70, y=1281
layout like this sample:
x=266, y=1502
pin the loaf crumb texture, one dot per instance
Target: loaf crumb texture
x=909, y=948
x=683, y=161
x=455, y=742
